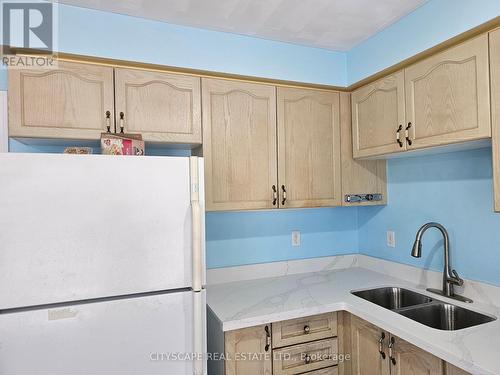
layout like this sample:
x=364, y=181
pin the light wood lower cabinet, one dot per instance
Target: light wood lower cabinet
x=239, y=145
x=249, y=351
x=163, y=107
x=302, y=358
x=378, y=352
x=452, y=370
x=495, y=111
x=447, y=96
x=68, y=102
x=308, y=148
x=408, y=359
x=368, y=355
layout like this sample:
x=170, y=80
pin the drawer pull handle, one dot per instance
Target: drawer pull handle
x=108, y=121
x=284, y=195
x=398, y=136
x=122, y=121
x=268, y=339
x=308, y=359
x=407, y=134
x=380, y=345
x=307, y=329
x=391, y=346
x=275, y=195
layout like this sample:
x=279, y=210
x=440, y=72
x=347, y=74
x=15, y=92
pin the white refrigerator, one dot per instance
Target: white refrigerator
x=102, y=265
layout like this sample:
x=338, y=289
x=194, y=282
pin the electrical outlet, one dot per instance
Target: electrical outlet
x=391, y=238
x=295, y=238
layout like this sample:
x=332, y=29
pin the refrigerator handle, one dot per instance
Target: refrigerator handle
x=199, y=333
x=196, y=225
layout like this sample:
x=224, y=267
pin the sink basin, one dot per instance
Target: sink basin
x=393, y=298
x=446, y=317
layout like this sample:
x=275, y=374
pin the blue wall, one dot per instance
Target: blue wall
x=95, y=33
x=431, y=24
x=453, y=189
x=257, y=237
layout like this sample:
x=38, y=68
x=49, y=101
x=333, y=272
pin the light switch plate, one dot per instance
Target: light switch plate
x=295, y=238
x=391, y=238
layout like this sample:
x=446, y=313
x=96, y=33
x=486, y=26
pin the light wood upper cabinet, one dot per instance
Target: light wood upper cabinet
x=308, y=148
x=163, y=107
x=408, y=359
x=447, y=96
x=495, y=111
x=359, y=176
x=239, y=145
x=68, y=102
x=253, y=342
x=378, y=111
x=367, y=341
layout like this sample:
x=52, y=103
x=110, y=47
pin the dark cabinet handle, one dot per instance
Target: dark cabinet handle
x=122, y=122
x=307, y=359
x=391, y=346
x=381, y=345
x=268, y=338
x=398, y=135
x=275, y=195
x=307, y=329
x=283, y=200
x=108, y=121
x=407, y=134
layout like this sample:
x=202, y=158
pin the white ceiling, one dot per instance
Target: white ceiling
x=331, y=24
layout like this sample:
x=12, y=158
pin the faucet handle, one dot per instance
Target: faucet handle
x=456, y=279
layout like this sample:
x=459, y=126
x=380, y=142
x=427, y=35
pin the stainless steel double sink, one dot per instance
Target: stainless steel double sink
x=424, y=309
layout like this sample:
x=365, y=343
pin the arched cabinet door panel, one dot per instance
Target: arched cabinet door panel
x=239, y=145
x=308, y=148
x=378, y=117
x=69, y=101
x=163, y=107
x=448, y=96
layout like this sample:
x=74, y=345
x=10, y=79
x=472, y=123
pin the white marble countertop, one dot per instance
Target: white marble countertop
x=248, y=303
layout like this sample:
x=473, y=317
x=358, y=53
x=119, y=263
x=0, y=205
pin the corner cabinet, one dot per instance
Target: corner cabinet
x=378, y=117
x=495, y=111
x=163, y=107
x=68, y=102
x=308, y=148
x=441, y=100
x=448, y=96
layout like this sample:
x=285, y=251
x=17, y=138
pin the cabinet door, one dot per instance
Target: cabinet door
x=452, y=370
x=447, y=96
x=308, y=148
x=495, y=111
x=248, y=351
x=358, y=176
x=408, y=359
x=365, y=348
x=68, y=102
x=378, y=111
x=239, y=146
x=163, y=107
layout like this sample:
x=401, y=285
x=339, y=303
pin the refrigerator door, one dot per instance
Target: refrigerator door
x=145, y=335
x=76, y=227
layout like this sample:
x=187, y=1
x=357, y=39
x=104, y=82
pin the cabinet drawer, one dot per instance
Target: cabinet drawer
x=334, y=370
x=299, y=359
x=297, y=331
